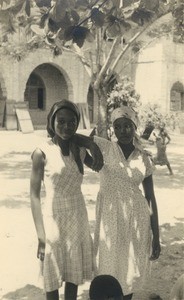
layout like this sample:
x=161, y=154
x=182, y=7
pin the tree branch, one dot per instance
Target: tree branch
x=128, y=46
x=89, y=17
x=106, y=65
x=132, y=59
x=125, y=49
x=82, y=58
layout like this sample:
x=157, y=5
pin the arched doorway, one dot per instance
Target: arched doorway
x=35, y=92
x=46, y=85
x=177, y=97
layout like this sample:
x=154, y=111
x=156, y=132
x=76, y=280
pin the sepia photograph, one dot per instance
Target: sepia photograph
x=92, y=152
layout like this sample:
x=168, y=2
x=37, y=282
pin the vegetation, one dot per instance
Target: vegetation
x=85, y=27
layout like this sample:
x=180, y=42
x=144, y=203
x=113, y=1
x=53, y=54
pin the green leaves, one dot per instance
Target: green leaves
x=75, y=20
x=116, y=26
x=178, y=31
x=27, y=8
x=123, y=93
x=97, y=17
x=77, y=34
x=141, y=15
x=43, y=3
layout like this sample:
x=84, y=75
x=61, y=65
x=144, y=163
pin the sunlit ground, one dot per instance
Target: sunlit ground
x=19, y=275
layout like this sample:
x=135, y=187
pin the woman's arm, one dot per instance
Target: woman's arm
x=150, y=196
x=87, y=142
x=37, y=174
x=168, y=138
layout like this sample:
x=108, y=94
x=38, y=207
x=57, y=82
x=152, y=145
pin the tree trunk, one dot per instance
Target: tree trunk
x=102, y=125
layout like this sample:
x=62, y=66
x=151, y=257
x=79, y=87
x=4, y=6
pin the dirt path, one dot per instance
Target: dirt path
x=19, y=276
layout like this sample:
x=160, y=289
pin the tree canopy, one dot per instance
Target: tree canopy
x=60, y=21
x=70, y=25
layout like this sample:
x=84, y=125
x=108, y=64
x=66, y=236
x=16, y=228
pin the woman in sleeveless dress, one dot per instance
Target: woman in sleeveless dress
x=64, y=240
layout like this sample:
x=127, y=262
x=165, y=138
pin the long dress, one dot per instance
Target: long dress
x=161, y=157
x=68, y=253
x=122, y=239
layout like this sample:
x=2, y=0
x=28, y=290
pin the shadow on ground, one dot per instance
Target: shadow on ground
x=13, y=203
x=29, y=292
x=169, y=266
x=16, y=165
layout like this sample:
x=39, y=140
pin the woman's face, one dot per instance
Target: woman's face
x=124, y=130
x=65, y=123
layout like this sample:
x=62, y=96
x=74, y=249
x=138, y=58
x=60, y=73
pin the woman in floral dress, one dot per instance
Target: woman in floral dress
x=127, y=231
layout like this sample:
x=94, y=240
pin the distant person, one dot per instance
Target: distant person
x=105, y=287
x=64, y=240
x=162, y=140
x=177, y=292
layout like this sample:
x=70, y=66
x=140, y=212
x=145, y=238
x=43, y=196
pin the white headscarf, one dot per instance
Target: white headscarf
x=126, y=112
x=131, y=114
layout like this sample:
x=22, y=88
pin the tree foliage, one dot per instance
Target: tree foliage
x=123, y=93
x=72, y=24
x=76, y=20
x=178, y=15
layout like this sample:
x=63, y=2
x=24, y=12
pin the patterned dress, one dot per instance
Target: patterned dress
x=123, y=232
x=68, y=253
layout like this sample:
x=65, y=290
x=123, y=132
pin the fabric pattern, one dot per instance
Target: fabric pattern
x=68, y=253
x=122, y=239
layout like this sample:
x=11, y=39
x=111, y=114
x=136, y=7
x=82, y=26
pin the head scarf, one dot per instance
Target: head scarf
x=65, y=145
x=126, y=112
x=52, y=114
x=105, y=286
x=129, y=113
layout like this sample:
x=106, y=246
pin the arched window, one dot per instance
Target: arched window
x=177, y=97
x=35, y=92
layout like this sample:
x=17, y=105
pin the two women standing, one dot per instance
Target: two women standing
x=126, y=234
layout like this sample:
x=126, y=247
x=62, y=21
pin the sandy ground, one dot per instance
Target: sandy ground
x=19, y=268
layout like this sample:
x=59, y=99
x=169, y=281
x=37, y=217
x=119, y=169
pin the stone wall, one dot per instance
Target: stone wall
x=63, y=76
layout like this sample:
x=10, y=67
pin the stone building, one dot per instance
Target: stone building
x=159, y=75
x=40, y=79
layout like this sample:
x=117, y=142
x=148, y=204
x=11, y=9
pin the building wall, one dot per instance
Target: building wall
x=149, y=74
x=14, y=76
x=157, y=69
x=174, y=65
x=56, y=88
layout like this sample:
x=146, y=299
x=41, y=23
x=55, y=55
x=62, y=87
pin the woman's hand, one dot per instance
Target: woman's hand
x=88, y=143
x=41, y=249
x=97, y=157
x=156, y=249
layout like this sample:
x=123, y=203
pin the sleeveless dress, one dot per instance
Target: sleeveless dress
x=122, y=241
x=68, y=253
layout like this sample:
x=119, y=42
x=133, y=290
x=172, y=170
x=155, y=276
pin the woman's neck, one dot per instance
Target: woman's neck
x=127, y=148
x=63, y=144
